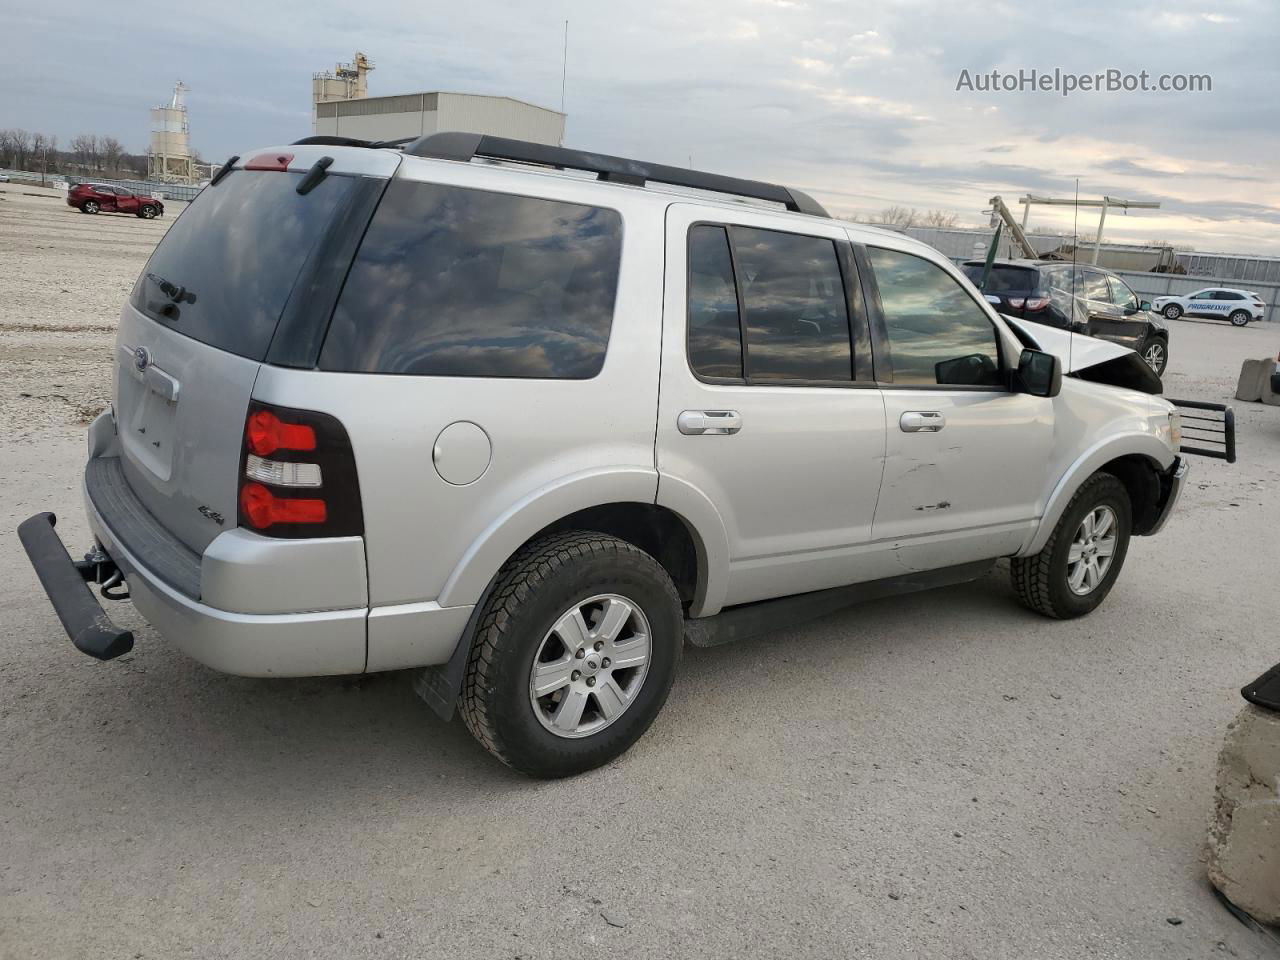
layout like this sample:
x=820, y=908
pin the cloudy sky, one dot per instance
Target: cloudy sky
x=854, y=101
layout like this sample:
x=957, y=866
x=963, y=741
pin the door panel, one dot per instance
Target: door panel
x=796, y=482
x=106, y=200
x=969, y=490
x=964, y=457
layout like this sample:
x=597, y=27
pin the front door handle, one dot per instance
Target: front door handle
x=708, y=423
x=922, y=421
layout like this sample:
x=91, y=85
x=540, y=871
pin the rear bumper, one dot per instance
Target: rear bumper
x=247, y=644
x=186, y=597
x=1171, y=488
x=86, y=623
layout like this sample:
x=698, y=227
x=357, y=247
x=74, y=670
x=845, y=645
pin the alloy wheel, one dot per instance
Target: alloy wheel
x=1092, y=550
x=1155, y=356
x=590, y=666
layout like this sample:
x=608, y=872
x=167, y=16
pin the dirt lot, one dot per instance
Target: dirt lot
x=948, y=776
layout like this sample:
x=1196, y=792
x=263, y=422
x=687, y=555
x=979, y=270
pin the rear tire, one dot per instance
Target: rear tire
x=518, y=641
x=1172, y=311
x=1044, y=582
x=90, y=206
x=1239, y=318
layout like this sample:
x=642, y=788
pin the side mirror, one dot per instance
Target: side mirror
x=1039, y=374
x=1144, y=304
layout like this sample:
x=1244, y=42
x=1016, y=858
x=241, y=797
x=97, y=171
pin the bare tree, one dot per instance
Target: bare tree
x=85, y=149
x=110, y=149
x=940, y=218
x=21, y=140
x=896, y=216
x=6, y=148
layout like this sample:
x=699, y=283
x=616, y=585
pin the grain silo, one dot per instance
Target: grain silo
x=170, y=159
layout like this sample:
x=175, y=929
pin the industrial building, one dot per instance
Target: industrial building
x=342, y=107
x=169, y=159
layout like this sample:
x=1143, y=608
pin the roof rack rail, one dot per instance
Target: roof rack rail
x=466, y=146
x=326, y=140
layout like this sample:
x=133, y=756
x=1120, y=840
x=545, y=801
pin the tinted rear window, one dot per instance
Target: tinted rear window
x=224, y=271
x=1003, y=279
x=468, y=283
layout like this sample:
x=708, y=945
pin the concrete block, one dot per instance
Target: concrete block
x=1272, y=399
x=1244, y=836
x=1249, y=386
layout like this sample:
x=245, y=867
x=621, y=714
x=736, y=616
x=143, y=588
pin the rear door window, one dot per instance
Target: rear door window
x=224, y=271
x=797, y=319
x=469, y=283
x=937, y=332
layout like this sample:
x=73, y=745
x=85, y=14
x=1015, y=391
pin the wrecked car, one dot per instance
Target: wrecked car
x=526, y=431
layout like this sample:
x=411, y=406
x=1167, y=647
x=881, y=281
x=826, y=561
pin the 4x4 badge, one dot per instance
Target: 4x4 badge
x=213, y=515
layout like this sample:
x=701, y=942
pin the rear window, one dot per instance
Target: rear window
x=1003, y=279
x=468, y=283
x=224, y=271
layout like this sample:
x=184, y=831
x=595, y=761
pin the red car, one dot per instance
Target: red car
x=98, y=197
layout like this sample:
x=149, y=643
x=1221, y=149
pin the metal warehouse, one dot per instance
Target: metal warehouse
x=418, y=114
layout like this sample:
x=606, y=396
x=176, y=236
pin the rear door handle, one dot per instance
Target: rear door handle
x=708, y=423
x=922, y=421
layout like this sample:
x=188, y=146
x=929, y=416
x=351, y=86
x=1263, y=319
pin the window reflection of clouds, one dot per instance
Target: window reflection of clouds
x=796, y=318
x=238, y=249
x=930, y=319
x=456, y=282
x=715, y=338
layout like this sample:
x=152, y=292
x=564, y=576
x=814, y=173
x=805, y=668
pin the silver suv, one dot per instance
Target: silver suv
x=526, y=419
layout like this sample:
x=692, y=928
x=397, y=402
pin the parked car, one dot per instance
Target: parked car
x=101, y=197
x=1238, y=306
x=421, y=427
x=4, y=178
x=1102, y=304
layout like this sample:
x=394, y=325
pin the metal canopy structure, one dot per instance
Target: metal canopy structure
x=1105, y=203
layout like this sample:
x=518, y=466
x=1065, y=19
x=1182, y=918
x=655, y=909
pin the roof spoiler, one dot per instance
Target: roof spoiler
x=464, y=147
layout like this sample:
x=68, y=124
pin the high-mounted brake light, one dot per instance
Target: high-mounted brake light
x=267, y=433
x=270, y=161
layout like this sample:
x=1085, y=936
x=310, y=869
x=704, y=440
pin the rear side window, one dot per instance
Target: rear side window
x=224, y=271
x=937, y=333
x=468, y=283
x=715, y=337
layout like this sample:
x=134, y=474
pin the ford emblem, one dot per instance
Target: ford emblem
x=142, y=358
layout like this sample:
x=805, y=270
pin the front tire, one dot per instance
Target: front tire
x=575, y=652
x=1079, y=564
x=1239, y=318
x=1172, y=311
x=147, y=211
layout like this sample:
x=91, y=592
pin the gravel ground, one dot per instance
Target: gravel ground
x=945, y=776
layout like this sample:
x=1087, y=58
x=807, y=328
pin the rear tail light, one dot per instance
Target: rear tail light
x=1037, y=303
x=1017, y=302
x=297, y=475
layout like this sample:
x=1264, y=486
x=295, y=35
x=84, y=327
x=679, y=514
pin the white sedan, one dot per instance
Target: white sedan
x=1226, y=303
